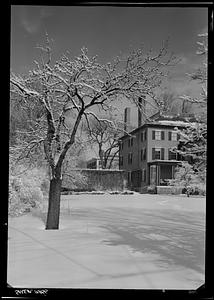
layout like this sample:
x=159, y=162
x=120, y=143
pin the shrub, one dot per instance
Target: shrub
x=152, y=189
x=25, y=191
x=189, y=179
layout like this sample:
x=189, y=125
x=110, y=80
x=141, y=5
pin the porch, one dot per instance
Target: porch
x=160, y=171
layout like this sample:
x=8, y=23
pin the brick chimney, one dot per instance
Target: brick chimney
x=127, y=114
x=141, y=110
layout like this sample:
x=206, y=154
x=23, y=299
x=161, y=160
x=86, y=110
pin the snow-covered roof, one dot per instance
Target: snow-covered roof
x=174, y=123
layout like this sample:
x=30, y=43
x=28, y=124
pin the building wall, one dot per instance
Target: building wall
x=139, y=165
x=166, y=144
x=135, y=149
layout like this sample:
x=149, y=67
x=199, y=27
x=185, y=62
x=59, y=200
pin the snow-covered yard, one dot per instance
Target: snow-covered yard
x=112, y=241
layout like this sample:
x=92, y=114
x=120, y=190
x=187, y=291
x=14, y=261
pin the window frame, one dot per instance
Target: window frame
x=158, y=135
x=130, y=158
x=174, y=136
x=161, y=150
x=172, y=153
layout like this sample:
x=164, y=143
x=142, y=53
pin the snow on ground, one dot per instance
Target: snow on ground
x=112, y=241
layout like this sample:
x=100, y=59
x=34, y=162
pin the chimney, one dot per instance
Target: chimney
x=127, y=118
x=141, y=109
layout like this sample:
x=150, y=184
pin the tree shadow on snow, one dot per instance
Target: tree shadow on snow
x=174, y=243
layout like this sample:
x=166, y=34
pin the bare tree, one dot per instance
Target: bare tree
x=69, y=91
x=194, y=138
x=105, y=137
x=200, y=74
x=167, y=100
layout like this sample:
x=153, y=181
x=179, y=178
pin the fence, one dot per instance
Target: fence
x=95, y=180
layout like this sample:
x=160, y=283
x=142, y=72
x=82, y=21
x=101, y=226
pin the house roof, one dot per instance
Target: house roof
x=165, y=121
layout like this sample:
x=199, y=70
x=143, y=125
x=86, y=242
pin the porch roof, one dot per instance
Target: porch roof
x=164, y=162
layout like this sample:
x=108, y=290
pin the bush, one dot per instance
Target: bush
x=199, y=190
x=25, y=191
x=191, y=180
x=152, y=189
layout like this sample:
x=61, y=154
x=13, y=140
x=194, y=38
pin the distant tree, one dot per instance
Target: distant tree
x=194, y=137
x=186, y=107
x=170, y=102
x=167, y=100
x=200, y=75
x=70, y=90
x=105, y=136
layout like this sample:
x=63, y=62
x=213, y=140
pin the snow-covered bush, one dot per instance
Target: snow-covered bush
x=152, y=189
x=25, y=190
x=190, y=180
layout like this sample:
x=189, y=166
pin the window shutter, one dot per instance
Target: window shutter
x=153, y=153
x=141, y=154
x=145, y=135
x=144, y=154
x=162, y=135
x=170, y=135
x=141, y=136
x=153, y=134
x=162, y=153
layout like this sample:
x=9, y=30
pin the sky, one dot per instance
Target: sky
x=104, y=30
x=108, y=31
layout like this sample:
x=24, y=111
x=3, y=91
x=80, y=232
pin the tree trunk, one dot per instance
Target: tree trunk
x=54, y=204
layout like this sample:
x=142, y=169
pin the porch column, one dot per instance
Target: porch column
x=158, y=174
x=173, y=172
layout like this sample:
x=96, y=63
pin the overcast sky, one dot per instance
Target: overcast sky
x=108, y=31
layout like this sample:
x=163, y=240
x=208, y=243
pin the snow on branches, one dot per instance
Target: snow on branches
x=69, y=90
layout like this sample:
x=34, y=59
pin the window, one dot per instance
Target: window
x=129, y=177
x=158, y=135
x=173, y=136
x=145, y=136
x=144, y=154
x=130, y=156
x=172, y=155
x=121, y=160
x=130, y=142
x=158, y=153
x=141, y=136
x=144, y=175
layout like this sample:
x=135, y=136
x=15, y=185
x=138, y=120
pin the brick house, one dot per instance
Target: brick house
x=146, y=152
